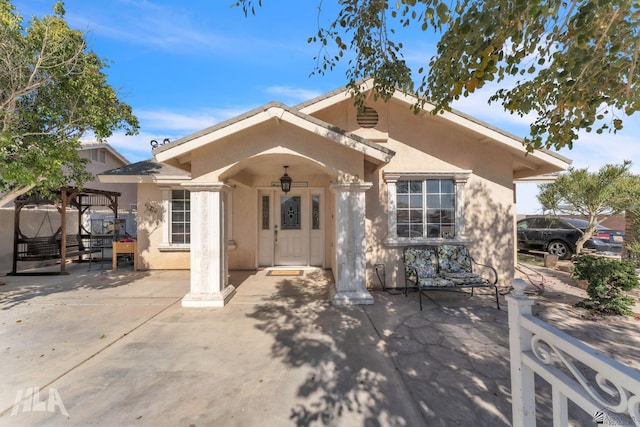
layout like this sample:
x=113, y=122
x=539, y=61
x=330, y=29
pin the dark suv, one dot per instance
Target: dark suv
x=558, y=236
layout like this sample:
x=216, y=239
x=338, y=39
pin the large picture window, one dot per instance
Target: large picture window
x=425, y=205
x=426, y=208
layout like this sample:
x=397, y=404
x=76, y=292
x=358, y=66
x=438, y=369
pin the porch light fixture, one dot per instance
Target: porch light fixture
x=285, y=181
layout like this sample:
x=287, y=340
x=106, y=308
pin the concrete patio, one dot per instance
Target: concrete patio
x=118, y=349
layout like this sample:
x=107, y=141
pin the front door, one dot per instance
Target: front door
x=291, y=231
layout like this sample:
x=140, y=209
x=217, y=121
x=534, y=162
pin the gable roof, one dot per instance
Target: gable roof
x=178, y=152
x=145, y=171
x=93, y=145
x=528, y=162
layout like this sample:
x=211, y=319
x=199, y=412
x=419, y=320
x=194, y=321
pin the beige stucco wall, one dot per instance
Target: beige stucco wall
x=244, y=226
x=150, y=217
x=430, y=143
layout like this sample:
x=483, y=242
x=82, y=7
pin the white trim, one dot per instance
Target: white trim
x=170, y=247
x=456, y=174
x=166, y=245
x=273, y=193
x=143, y=179
x=166, y=218
x=391, y=178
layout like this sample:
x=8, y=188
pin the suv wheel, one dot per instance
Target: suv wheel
x=560, y=249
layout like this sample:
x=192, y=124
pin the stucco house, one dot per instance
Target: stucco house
x=364, y=185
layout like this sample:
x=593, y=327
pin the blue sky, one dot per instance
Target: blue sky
x=186, y=65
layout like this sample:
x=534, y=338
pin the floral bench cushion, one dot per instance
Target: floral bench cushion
x=455, y=264
x=440, y=266
x=420, y=260
x=421, y=266
x=444, y=266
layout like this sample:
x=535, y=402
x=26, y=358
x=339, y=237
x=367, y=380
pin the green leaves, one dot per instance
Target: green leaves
x=610, y=190
x=573, y=59
x=608, y=281
x=52, y=92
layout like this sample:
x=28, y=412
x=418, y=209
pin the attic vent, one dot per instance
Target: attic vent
x=367, y=118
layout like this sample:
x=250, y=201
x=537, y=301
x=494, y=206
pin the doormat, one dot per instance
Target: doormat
x=285, y=273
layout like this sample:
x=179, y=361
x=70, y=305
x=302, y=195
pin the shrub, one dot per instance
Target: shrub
x=632, y=237
x=608, y=280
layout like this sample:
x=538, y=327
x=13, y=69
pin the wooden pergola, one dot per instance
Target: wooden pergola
x=60, y=245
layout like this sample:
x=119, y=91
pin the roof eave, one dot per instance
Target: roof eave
x=181, y=149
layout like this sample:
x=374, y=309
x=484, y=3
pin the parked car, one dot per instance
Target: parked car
x=558, y=236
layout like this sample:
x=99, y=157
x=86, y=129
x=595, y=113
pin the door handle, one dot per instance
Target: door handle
x=275, y=235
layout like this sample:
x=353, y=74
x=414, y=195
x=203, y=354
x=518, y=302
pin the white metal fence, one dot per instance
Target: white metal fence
x=604, y=388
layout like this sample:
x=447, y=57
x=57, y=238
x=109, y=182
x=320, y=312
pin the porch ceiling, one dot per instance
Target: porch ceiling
x=272, y=166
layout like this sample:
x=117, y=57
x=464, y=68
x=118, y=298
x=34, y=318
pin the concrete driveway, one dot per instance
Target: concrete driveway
x=116, y=348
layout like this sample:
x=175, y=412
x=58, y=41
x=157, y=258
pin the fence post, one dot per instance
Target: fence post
x=522, y=380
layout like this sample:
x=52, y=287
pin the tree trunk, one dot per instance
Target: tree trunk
x=12, y=195
x=586, y=235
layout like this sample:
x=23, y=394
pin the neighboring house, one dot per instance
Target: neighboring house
x=364, y=186
x=103, y=157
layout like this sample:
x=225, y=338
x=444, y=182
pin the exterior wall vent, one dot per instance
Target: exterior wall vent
x=367, y=118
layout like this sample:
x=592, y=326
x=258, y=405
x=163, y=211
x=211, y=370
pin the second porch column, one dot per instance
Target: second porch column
x=209, y=267
x=351, y=286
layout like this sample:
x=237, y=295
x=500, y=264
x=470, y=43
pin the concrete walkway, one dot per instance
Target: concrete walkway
x=116, y=348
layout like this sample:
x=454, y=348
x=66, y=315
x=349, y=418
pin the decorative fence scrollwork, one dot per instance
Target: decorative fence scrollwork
x=599, y=385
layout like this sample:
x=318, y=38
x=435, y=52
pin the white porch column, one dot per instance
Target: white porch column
x=209, y=267
x=351, y=286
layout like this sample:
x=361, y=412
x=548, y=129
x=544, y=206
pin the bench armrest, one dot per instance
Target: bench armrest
x=406, y=277
x=493, y=270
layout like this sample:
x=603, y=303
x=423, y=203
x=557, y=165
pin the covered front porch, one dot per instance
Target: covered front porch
x=317, y=223
x=243, y=218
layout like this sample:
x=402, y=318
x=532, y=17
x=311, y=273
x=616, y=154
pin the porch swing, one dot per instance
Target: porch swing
x=40, y=248
x=59, y=245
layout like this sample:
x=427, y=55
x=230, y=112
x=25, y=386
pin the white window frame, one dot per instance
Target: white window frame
x=391, y=178
x=167, y=245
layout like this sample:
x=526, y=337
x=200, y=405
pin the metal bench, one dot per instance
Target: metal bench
x=444, y=267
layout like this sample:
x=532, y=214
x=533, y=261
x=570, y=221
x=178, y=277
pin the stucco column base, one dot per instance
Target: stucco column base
x=346, y=298
x=200, y=300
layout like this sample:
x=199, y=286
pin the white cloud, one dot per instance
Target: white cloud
x=160, y=124
x=183, y=122
x=133, y=147
x=289, y=94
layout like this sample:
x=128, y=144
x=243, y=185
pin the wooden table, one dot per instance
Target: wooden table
x=125, y=248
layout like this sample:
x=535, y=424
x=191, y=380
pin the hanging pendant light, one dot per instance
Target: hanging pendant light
x=285, y=181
